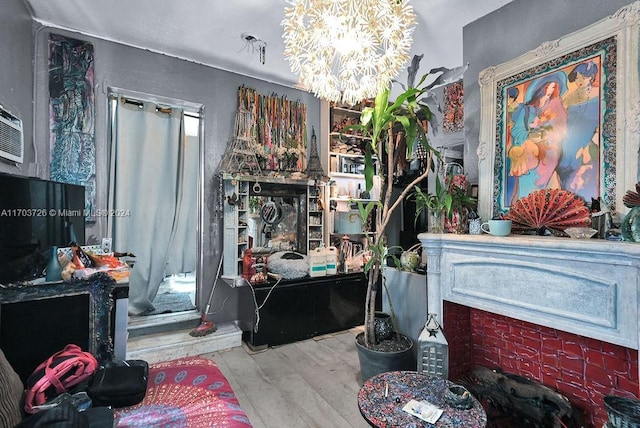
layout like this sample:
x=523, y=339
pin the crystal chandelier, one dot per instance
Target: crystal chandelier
x=347, y=50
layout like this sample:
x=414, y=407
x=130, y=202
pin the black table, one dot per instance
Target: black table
x=382, y=397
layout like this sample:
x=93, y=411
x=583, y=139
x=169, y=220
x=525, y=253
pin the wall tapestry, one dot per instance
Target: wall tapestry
x=453, y=114
x=279, y=130
x=71, y=115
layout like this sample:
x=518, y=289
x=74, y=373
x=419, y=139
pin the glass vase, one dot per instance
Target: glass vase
x=458, y=221
x=630, y=227
x=436, y=221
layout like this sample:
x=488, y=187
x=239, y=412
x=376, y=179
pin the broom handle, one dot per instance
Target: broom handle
x=206, y=308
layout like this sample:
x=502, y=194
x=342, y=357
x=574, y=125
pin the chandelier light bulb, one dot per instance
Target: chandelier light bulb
x=347, y=50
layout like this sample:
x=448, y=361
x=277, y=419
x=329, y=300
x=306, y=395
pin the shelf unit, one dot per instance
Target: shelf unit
x=236, y=236
x=238, y=216
x=342, y=154
x=315, y=217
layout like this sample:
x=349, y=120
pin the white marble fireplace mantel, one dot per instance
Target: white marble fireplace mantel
x=587, y=287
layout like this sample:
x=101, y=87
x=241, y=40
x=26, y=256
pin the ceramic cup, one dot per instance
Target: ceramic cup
x=475, y=226
x=497, y=227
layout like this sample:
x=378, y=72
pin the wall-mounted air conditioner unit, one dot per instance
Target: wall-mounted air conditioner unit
x=11, y=137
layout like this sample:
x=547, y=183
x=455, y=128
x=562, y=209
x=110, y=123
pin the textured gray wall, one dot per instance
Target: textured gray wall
x=148, y=72
x=509, y=32
x=16, y=75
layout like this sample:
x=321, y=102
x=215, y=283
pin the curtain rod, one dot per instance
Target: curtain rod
x=159, y=107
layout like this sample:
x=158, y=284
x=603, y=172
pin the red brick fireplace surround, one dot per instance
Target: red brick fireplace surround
x=582, y=369
x=558, y=311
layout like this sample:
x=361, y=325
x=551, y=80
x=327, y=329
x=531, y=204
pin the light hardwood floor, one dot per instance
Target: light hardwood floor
x=311, y=383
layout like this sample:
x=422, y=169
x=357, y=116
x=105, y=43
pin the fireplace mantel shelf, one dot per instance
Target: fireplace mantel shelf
x=586, y=287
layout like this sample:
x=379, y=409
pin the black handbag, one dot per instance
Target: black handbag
x=119, y=384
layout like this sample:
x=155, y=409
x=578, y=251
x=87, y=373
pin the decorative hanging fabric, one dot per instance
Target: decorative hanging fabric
x=279, y=131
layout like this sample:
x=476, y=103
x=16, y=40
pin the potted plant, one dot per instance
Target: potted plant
x=377, y=123
x=438, y=205
x=450, y=199
x=461, y=203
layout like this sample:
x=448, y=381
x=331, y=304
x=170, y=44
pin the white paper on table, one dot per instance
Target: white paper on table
x=423, y=410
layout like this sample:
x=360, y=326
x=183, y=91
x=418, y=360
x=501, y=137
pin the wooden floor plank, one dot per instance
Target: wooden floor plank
x=344, y=346
x=339, y=387
x=221, y=360
x=309, y=403
x=319, y=355
x=262, y=393
x=311, y=383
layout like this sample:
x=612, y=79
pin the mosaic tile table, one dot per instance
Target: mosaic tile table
x=382, y=397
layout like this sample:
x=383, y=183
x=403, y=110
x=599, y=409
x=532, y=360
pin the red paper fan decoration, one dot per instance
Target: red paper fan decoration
x=549, y=208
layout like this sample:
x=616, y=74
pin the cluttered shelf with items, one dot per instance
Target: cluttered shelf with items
x=83, y=261
x=78, y=262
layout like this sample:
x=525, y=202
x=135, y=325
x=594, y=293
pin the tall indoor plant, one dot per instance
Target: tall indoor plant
x=408, y=114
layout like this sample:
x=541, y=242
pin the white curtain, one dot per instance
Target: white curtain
x=182, y=251
x=146, y=178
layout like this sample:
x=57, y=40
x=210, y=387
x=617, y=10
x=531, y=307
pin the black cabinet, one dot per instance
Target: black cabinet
x=301, y=309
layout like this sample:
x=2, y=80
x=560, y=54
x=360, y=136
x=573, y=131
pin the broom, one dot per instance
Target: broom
x=205, y=327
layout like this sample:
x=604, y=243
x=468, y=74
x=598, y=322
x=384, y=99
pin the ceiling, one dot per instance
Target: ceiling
x=210, y=31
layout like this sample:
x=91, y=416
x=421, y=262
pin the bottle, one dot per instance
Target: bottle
x=331, y=254
x=317, y=262
x=54, y=270
x=364, y=194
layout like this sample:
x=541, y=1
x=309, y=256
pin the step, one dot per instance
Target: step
x=144, y=325
x=177, y=344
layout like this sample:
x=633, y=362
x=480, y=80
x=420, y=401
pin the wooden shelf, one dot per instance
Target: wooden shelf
x=346, y=110
x=348, y=136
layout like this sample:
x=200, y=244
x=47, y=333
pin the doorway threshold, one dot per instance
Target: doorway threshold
x=178, y=344
x=162, y=323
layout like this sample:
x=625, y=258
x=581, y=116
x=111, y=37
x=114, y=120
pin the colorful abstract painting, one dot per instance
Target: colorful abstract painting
x=556, y=126
x=72, y=115
x=453, y=114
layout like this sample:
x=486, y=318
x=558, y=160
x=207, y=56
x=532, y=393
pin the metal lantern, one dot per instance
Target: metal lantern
x=433, y=349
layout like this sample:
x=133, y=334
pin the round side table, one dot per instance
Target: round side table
x=382, y=397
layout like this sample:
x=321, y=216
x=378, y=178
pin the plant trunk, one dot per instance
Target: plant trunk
x=370, y=305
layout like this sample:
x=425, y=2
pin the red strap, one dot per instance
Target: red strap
x=53, y=379
x=72, y=351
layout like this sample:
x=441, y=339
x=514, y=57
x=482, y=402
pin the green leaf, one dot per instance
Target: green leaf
x=369, y=168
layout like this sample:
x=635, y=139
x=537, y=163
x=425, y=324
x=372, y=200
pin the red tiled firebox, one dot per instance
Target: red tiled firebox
x=583, y=369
